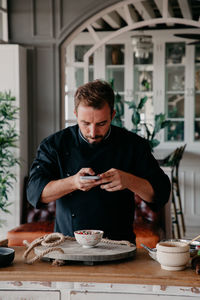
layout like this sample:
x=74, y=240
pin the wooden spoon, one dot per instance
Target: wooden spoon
x=194, y=239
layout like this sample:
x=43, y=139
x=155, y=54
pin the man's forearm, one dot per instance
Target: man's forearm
x=141, y=187
x=57, y=188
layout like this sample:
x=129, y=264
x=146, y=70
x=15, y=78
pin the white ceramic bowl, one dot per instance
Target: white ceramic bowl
x=88, y=238
x=173, y=255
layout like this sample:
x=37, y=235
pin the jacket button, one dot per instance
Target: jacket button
x=67, y=174
x=73, y=215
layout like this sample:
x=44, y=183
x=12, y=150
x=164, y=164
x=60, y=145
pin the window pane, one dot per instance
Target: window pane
x=197, y=54
x=175, y=53
x=175, y=79
x=142, y=50
x=117, y=76
x=147, y=113
x=197, y=78
x=143, y=80
x=197, y=130
x=197, y=106
x=79, y=77
x=175, y=132
x=143, y=60
x=80, y=51
x=1, y=26
x=91, y=74
x=119, y=108
x=114, y=54
x=175, y=106
x=197, y=95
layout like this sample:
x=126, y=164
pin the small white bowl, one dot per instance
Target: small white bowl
x=88, y=238
x=173, y=256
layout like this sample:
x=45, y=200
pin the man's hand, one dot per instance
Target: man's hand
x=83, y=184
x=114, y=180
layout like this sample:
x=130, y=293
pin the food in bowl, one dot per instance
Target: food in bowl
x=88, y=238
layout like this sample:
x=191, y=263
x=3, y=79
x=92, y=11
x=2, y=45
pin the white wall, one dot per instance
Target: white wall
x=13, y=78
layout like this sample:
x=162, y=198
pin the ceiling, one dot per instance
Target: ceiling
x=148, y=9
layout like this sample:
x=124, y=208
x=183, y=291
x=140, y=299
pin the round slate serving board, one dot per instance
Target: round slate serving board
x=101, y=252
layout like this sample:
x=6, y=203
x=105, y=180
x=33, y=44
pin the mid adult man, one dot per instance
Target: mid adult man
x=122, y=159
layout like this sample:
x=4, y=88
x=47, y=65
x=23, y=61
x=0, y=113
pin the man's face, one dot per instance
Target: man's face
x=94, y=123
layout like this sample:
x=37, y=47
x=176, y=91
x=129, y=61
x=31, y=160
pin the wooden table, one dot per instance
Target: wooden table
x=117, y=280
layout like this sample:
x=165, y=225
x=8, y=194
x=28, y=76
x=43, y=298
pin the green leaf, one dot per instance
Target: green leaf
x=154, y=143
x=135, y=118
x=131, y=104
x=165, y=123
x=8, y=140
x=135, y=130
x=142, y=102
x=148, y=133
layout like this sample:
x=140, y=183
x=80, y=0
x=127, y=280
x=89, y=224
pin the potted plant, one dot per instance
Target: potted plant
x=150, y=130
x=119, y=109
x=118, y=106
x=8, y=139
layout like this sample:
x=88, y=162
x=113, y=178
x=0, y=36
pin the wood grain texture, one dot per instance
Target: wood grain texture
x=4, y=243
x=101, y=252
x=140, y=270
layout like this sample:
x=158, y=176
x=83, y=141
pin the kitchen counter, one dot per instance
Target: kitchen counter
x=141, y=269
x=141, y=274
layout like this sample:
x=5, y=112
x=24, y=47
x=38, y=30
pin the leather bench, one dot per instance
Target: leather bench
x=148, y=225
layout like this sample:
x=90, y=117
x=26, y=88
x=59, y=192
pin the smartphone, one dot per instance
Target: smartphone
x=90, y=177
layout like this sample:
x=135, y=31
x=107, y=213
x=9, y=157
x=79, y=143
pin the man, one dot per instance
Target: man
x=122, y=159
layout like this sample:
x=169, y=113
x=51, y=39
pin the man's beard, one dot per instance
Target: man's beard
x=89, y=138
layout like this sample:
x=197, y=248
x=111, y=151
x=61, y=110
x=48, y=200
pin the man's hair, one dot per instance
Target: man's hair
x=95, y=94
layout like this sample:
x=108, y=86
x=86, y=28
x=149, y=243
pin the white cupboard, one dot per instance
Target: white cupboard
x=169, y=77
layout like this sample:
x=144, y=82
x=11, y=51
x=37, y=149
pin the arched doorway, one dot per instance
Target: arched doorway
x=173, y=71
x=85, y=62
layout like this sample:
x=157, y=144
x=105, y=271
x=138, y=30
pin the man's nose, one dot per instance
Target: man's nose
x=92, y=131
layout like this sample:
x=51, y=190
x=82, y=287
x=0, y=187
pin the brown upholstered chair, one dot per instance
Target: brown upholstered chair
x=38, y=223
x=148, y=225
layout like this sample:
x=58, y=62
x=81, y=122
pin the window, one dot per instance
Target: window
x=197, y=95
x=175, y=90
x=162, y=76
x=3, y=21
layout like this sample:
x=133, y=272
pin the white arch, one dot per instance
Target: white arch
x=122, y=3
x=131, y=26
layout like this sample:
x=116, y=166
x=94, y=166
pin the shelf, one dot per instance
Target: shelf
x=115, y=66
x=174, y=65
x=143, y=67
x=176, y=119
x=175, y=92
x=147, y=93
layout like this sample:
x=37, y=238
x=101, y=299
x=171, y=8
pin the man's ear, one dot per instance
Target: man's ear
x=75, y=112
x=113, y=114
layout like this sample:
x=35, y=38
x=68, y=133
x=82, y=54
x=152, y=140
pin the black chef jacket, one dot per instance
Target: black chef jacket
x=64, y=153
